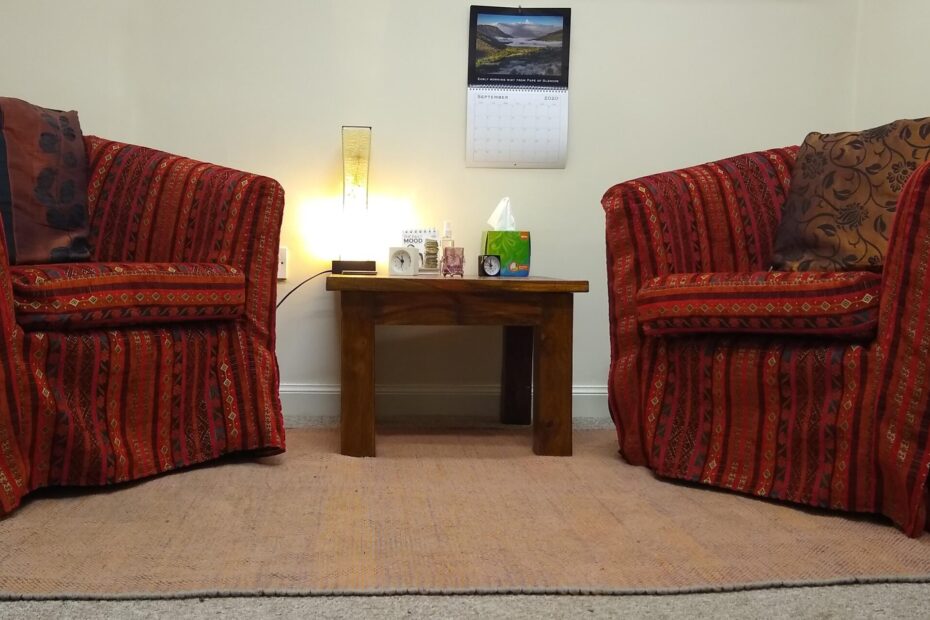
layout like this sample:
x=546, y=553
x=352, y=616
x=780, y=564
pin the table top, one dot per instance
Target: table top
x=468, y=284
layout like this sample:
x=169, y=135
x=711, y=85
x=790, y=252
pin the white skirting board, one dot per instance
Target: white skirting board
x=308, y=404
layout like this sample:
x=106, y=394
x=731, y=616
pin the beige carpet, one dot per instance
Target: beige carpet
x=437, y=511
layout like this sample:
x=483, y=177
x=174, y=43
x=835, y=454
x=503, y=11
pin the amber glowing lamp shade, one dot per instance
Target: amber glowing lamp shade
x=356, y=154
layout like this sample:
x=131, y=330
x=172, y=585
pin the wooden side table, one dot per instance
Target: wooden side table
x=536, y=314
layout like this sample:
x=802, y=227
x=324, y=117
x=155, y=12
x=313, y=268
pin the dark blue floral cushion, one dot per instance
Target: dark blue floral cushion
x=844, y=190
x=43, y=184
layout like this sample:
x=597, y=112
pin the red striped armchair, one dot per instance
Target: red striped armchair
x=157, y=354
x=808, y=388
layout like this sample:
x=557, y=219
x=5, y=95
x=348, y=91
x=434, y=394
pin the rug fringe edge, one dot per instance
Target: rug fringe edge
x=272, y=593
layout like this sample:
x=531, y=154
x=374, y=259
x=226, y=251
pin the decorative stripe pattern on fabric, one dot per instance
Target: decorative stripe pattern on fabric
x=773, y=417
x=842, y=304
x=903, y=409
x=85, y=295
x=152, y=400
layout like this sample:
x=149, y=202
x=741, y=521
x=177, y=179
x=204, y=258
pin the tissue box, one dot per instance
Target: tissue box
x=513, y=246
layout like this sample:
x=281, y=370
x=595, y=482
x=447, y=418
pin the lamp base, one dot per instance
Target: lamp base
x=355, y=267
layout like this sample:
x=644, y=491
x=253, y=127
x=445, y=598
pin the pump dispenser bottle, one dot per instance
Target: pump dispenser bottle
x=446, y=241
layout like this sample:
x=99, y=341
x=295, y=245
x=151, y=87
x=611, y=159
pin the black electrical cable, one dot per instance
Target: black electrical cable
x=316, y=275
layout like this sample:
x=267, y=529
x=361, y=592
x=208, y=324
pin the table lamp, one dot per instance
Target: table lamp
x=356, y=153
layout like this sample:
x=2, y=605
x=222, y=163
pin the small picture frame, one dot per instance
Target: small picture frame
x=518, y=47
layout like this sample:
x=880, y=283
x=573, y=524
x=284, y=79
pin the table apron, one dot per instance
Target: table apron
x=459, y=308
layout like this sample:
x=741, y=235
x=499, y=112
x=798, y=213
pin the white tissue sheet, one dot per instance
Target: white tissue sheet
x=502, y=217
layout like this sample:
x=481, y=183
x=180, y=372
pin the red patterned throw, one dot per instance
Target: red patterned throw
x=765, y=302
x=83, y=295
x=113, y=379
x=805, y=417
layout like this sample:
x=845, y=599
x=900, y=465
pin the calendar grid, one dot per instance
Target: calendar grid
x=517, y=127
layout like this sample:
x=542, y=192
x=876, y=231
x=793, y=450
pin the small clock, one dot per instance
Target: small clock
x=403, y=261
x=489, y=265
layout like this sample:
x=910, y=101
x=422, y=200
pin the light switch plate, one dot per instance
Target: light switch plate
x=282, y=263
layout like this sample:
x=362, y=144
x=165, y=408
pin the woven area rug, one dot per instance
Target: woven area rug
x=437, y=511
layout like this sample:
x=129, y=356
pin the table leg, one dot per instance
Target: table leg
x=357, y=422
x=517, y=375
x=552, y=378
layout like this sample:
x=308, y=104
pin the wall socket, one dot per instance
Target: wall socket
x=282, y=263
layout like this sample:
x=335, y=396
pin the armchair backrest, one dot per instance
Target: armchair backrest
x=718, y=216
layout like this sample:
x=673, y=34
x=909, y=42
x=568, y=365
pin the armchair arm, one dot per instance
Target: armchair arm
x=719, y=216
x=149, y=206
x=14, y=428
x=903, y=354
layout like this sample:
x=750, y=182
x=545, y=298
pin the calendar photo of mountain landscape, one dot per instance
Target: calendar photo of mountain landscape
x=519, y=46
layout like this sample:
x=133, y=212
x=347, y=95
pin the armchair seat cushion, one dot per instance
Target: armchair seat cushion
x=843, y=304
x=85, y=295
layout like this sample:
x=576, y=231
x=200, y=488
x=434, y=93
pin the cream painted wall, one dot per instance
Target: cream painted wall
x=49, y=66
x=265, y=86
x=893, y=49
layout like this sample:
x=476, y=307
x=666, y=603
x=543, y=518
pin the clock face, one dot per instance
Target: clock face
x=402, y=262
x=491, y=265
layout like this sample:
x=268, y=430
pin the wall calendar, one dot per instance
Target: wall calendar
x=517, y=108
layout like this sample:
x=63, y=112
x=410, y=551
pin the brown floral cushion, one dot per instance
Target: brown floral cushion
x=844, y=189
x=43, y=184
